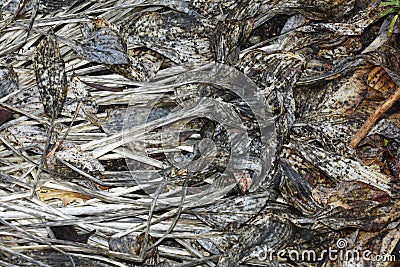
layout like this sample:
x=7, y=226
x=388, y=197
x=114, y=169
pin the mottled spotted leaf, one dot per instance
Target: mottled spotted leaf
x=9, y=6
x=181, y=38
x=275, y=75
x=215, y=8
x=103, y=45
x=271, y=232
x=229, y=36
x=133, y=244
x=8, y=81
x=321, y=9
x=50, y=76
x=54, y=5
x=143, y=66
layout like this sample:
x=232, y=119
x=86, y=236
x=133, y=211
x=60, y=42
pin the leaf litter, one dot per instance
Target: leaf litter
x=121, y=145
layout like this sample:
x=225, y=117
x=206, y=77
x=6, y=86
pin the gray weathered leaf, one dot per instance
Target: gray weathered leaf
x=273, y=232
x=54, y=5
x=233, y=211
x=105, y=46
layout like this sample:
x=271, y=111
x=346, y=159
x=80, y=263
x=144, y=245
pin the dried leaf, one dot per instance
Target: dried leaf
x=78, y=93
x=388, y=58
x=380, y=81
x=354, y=194
x=51, y=78
x=392, y=165
x=297, y=191
x=10, y=6
x=213, y=9
x=272, y=232
x=67, y=197
x=235, y=211
x=340, y=168
x=347, y=95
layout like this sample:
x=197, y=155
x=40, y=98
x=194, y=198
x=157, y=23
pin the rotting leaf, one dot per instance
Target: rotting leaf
x=51, y=78
x=391, y=163
x=5, y=115
x=67, y=197
x=353, y=194
x=69, y=233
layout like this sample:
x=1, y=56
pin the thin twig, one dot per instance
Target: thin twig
x=374, y=117
x=151, y=210
x=59, y=143
x=184, y=192
x=43, y=157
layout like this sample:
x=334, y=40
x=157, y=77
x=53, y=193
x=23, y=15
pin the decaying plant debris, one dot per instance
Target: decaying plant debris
x=128, y=137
